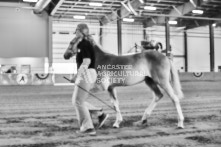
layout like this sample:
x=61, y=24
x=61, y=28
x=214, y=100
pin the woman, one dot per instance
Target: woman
x=85, y=78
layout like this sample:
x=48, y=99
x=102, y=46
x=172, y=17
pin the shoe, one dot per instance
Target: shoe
x=101, y=119
x=90, y=132
x=141, y=123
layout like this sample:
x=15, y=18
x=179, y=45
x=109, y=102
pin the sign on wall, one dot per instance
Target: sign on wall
x=26, y=79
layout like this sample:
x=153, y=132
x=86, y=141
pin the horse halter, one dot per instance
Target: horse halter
x=72, y=48
x=75, y=41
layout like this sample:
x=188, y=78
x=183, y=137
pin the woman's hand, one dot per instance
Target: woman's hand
x=86, y=61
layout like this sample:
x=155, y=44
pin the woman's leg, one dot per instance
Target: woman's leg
x=79, y=101
x=92, y=76
x=84, y=82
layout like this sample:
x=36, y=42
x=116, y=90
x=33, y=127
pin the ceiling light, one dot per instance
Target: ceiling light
x=150, y=8
x=172, y=22
x=141, y=1
x=79, y=17
x=31, y=1
x=214, y=24
x=197, y=11
x=128, y=19
x=96, y=4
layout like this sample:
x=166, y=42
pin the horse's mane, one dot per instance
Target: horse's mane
x=92, y=44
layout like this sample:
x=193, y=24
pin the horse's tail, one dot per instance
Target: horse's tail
x=176, y=81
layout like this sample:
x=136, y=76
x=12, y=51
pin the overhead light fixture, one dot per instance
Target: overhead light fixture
x=79, y=17
x=141, y=1
x=172, y=22
x=150, y=8
x=214, y=24
x=30, y=1
x=128, y=19
x=197, y=11
x=96, y=4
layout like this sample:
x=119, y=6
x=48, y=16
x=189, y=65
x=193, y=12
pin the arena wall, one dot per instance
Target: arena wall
x=23, y=36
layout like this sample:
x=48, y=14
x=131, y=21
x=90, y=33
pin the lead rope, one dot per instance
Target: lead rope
x=90, y=94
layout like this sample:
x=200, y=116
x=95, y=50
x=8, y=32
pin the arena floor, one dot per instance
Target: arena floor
x=43, y=116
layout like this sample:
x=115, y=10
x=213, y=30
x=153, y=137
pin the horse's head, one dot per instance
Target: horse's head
x=79, y=42
x=73, y=47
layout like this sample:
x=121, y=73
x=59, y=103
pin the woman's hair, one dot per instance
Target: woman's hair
x=81, y=27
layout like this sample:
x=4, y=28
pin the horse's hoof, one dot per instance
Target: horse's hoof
x=141, y=123
x=180, y=127
x=115, y=126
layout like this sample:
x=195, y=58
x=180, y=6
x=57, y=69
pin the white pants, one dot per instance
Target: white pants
x=83, y=108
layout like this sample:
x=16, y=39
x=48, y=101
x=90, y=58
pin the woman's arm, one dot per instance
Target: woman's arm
x=82, y=70
x=85, y=64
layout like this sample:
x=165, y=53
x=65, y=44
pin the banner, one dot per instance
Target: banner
x=26, y=79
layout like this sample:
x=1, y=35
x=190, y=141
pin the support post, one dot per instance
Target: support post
x=119, y=33
x=167, y=32
x=101, y=34
x=211, y=38
x=144, y=31
x=50, y=56
x=185, y=51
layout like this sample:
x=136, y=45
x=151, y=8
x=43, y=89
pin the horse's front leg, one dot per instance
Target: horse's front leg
x=119, y=118
x=153, y=104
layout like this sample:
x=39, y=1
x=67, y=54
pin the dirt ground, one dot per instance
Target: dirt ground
x=43, y=116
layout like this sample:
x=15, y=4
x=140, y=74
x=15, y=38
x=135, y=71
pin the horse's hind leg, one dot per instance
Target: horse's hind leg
x=150, y=108
x=119, y=118
x=168, y=88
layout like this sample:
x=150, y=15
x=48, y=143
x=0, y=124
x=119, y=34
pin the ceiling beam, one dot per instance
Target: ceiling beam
x=88, y=7
x=176, y=11
x=115, y=1
x=68, y=3
x=124, y=12
x=165, y=1
x=56, y=7
x=80, y=13
x=184, y=17
x=86, y=10
x=199, y=23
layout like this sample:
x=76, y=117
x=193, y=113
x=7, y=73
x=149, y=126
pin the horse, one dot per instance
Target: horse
x=147, y=45
x=151, y=45
x=159, y=72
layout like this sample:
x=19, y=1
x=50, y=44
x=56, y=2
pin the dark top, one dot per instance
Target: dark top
x=85, y=50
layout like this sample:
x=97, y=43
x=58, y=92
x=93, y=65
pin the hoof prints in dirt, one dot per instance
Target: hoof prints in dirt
x=127, y=145
x=163, y=133
x=206, y=140
x=41, y=145
x=149, y=145
x=200, y=139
